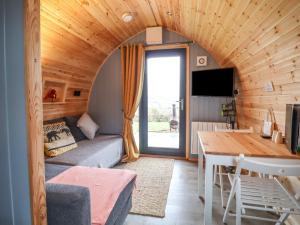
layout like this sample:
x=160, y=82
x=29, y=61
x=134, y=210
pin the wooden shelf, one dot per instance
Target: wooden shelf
x=60, y=88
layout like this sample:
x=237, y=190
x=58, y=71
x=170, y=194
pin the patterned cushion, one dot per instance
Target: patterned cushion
x=58, y=139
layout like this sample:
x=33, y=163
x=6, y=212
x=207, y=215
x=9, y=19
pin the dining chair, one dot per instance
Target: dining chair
x=219, y=170
x=262, y=194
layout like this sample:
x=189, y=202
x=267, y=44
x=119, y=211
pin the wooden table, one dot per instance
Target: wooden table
x=221, y=148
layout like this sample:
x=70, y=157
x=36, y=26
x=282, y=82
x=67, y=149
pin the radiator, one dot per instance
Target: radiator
x=202, y=126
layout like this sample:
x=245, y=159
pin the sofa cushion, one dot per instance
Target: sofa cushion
x=52, y=170
x=57, y=139
x=68, y=205
x=71, y=122
x=87, y=126
x=103, y=151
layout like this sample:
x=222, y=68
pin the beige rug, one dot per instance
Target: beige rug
x=152, y=185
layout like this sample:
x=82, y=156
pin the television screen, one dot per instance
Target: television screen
x=216, y=82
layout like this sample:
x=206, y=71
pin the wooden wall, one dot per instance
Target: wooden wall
x=76, y=38
x=259, y=37
x=271, y=53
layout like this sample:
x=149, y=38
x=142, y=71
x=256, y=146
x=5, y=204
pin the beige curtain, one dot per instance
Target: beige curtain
x=132, y=60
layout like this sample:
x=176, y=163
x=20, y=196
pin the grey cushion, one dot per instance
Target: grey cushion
x=103, y=151
x=71, y=122
x=88, y=126
x=51, y=170
x=68, y=205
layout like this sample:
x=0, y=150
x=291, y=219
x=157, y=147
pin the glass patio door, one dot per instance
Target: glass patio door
x=162, y=108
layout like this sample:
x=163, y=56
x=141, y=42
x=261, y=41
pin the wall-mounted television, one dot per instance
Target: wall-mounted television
x=215, y=82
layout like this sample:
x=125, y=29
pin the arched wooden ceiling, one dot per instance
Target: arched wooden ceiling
x=260, y=37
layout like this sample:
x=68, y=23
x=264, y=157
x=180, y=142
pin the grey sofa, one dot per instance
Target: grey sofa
x=70, y=205
x=105, y=150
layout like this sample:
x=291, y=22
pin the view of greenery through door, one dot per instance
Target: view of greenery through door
x=163, y=80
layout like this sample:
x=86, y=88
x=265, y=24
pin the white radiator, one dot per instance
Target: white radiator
x=202, y=126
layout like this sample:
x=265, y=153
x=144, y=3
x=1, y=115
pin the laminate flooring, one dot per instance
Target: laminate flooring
x=183, y=206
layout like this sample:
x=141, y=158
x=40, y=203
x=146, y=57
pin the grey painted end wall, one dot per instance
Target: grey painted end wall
x=106, y=99
x=14, y=182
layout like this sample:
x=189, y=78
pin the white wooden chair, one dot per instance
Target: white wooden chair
x=262, y=194
x=218, y=170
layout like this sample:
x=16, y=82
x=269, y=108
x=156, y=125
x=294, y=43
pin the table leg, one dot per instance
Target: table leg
x=208, y=191
x=200, y=172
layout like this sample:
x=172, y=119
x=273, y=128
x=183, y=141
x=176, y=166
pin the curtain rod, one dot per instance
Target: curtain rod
x=171, y=43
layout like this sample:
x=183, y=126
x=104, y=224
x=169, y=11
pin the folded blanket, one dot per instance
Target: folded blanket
x=105, y=186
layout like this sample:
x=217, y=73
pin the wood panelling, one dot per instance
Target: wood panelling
x=259, y=37
x=34, y=110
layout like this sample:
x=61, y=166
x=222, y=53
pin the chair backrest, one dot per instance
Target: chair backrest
x=250, y=130
x=281, y=168
x=217, y=129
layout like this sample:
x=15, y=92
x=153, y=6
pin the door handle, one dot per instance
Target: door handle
x=181, y=102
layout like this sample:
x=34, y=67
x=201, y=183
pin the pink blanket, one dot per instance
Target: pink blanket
x=105, y=186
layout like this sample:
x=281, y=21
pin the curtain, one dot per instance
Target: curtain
x=132, y=62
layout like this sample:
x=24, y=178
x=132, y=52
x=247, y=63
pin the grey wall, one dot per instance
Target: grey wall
x=14, y=182
x=106, y=101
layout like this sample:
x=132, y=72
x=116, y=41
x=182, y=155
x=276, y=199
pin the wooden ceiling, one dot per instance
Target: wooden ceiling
x=260, y=37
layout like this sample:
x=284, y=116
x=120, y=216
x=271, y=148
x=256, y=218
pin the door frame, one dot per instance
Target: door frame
x=143, y=126
x=187, y=87
x=34, y=110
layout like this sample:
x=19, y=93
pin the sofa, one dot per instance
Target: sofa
x=105, y=150
x=69, y=204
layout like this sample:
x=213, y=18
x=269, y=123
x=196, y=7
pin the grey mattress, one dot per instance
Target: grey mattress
x=103, y=151
x=52, y=170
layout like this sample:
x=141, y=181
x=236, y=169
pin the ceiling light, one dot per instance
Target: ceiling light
x=127, y=17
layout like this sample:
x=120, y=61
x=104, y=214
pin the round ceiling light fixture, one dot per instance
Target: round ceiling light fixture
x=127, y=17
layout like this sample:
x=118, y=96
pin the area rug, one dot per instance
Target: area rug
x=152, y=185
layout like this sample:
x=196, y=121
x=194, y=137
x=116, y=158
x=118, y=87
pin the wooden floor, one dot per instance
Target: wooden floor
x=184, y=207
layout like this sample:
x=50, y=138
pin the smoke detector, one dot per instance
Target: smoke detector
x=127, y=17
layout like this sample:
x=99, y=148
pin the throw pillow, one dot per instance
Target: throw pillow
x=71, y=122
x=87, y=126
x=58, y=139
